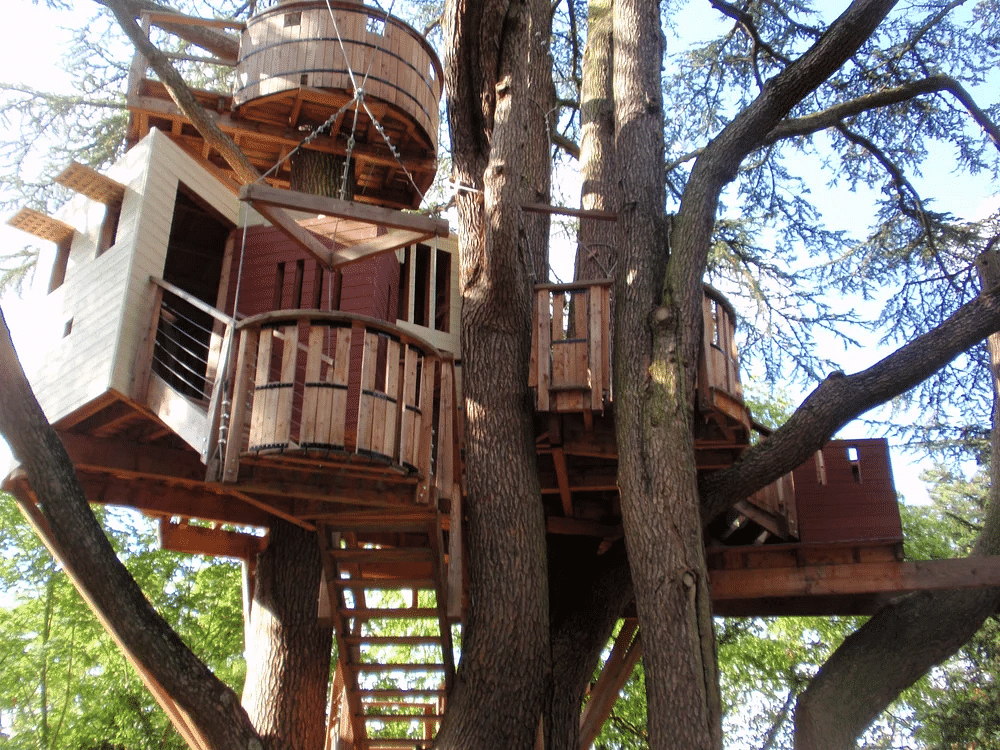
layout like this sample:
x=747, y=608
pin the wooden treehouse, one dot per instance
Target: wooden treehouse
x=218, y=357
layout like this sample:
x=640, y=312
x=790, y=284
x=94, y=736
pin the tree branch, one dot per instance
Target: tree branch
x=180, y=92
x=212, y=707
x=833, y=116
x=839, y=399
x=568, y=145
x=219, y=43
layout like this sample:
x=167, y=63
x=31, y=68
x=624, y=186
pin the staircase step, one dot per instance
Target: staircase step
x=402, y=717
x=400, y=693
x=377, y=584
x=411, y=667
x=390, y=743
x=402, y=613
x=393, y=640
x=383, y=554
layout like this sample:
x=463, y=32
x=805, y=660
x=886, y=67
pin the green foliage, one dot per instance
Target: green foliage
x=64, y=685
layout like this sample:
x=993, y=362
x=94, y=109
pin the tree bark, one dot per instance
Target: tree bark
x=288, y=652
x=654, y=381
x=500, y=687
x=595, y=254
x=89, y=559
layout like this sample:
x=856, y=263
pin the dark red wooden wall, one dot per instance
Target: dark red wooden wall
x=854, y=501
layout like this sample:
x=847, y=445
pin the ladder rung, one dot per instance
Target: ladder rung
x=389, y=743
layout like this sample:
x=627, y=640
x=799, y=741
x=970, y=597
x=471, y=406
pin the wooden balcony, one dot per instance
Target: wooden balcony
x=327, y=387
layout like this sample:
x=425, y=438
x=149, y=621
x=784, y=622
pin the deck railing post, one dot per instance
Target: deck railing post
x=245, y=370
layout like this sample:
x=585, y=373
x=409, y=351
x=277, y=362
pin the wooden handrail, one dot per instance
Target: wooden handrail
x=278, y=317
x=192, y=300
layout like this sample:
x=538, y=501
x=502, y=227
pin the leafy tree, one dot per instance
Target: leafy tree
x=741, y=110
x=64, y=684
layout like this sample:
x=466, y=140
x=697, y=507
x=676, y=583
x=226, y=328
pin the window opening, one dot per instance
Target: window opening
x=405, y=293
x=855, y=461
x=375, y=26
x=293, y=19
x=422, y=286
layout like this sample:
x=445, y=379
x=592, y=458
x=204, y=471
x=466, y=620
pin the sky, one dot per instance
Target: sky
x=30, y=51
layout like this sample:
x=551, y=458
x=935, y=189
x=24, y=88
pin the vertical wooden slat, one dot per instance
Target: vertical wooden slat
x=605, y=292
x=408, y=406
x=144, y=361
x=368, y=363
x=558, y=309
x=244, y=376
x=427, y=381
x=339, y=375
x=596, y=336
x=543, y=308
x=284, y=400
x=260, y=410
x=390, y=433
x=312, y=392
x=445, y=465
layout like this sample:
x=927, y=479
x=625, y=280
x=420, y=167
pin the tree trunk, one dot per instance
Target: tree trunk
x=500, y=687
x=595, y=255
x=588, y=593
x=654, y=380
x=288, y=656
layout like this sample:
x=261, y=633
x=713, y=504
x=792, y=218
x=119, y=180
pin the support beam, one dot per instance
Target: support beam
x=264, y=195
x=891, y=578
x=617, y=669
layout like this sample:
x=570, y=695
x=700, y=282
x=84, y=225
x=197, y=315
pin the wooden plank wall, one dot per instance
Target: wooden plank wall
x=840, y=500
x=281, y=55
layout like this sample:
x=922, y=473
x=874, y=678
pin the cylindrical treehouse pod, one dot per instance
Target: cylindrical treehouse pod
x=300, y=62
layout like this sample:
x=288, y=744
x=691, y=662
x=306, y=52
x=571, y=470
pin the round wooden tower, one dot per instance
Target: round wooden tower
x=371, y=82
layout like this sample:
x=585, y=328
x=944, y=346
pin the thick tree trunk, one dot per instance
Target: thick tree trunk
x=499, y=692
x=595, y=256
x=288, y=652
x=654, y=380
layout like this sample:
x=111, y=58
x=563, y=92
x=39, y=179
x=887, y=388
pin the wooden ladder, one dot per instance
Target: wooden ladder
x=385, y=582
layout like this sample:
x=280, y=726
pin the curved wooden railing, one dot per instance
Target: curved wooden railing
x=571, y=355
x=299, y=44
x=330, y=384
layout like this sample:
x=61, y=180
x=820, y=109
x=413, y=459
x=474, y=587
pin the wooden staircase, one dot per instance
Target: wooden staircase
x=386, y=598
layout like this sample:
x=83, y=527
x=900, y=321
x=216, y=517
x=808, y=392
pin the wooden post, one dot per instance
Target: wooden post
x=144, y=362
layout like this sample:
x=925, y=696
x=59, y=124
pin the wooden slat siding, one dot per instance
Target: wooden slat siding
x=706, y=368
x=543, y=309
x=409, y=418
x=366, y=405
x=244, y=376
x=286, y=393
x=428, y=377
x=313, y=396
x=326, y=392
x=144, y=363
x=843, y=509
x=444, y=465
x=401, y=61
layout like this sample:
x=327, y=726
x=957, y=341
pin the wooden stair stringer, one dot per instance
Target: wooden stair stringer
x=358, y=579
